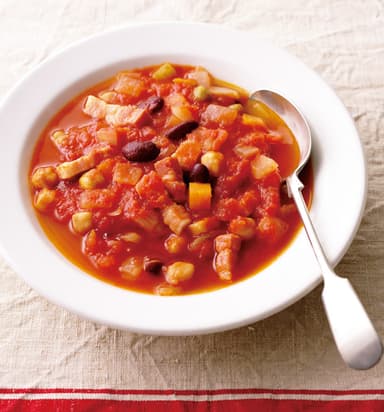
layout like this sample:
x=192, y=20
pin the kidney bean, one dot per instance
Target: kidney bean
x=140, y=151
x=153, y=104
x=199, y=173
x=152, y=265
x=186, y=176
x=179, y=131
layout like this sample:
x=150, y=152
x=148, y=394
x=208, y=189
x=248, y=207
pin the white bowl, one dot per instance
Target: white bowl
x=338, y=160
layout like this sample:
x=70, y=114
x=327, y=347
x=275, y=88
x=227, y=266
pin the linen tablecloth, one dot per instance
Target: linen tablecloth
x=51, y=359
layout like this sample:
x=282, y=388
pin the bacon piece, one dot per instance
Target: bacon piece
x=226, y=247
x=114, y=114
x=117, y=115
x=67, y=170
x=176, y=218
x=171, y=174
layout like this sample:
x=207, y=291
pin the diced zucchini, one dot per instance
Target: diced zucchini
x=200, y=93
x=224, y=92
x=164, y=72
x=222, y=83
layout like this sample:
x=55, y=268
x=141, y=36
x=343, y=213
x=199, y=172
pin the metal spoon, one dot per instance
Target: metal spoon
x=354, y=334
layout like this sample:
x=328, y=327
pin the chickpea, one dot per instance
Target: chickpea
x=175, y=244
x=179, y=272
x=213, y=161
x=44, y=199
x=204, y=225
x=245, y=227
x=44, y=177
x=91, y=179
x=81, y=222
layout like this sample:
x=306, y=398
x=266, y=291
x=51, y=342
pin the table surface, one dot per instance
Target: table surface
x=44, y=346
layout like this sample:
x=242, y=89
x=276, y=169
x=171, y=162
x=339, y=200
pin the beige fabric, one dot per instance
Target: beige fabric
x=42, y=345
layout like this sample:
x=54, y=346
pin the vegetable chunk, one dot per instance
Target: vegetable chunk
x=179, y=272
x=219, y=115
x=200, y=195
x=176, y=217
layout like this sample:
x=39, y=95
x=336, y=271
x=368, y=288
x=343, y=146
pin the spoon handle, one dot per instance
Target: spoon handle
x=354, y=333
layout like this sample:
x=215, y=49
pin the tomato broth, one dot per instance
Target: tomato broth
x=167, y=180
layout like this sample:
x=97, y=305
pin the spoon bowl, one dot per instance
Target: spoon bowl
x=292, y=118
x=354, y=334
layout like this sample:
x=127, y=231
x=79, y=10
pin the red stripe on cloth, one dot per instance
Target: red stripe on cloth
x=249, y=391
x=249, y=405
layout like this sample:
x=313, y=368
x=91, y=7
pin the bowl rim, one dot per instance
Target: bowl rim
x=173, y=314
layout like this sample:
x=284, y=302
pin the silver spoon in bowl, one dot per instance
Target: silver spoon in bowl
x=355, y=336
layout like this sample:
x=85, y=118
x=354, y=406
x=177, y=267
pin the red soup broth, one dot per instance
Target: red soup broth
x=167, y=180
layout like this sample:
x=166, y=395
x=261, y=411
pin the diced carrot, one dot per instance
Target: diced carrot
x=200, y=195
